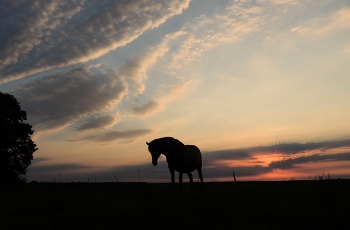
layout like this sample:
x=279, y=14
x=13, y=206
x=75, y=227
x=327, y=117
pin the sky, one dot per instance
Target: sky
x=260, y=86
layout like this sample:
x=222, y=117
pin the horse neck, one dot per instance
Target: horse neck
x=166, y=151
x=171, y=152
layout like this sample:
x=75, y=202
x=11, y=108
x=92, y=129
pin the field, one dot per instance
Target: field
x=242, y=205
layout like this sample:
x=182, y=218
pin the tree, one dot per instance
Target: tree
x=16, y=145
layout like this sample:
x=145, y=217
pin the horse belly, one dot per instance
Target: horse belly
x=187, y=162
x=187, y=168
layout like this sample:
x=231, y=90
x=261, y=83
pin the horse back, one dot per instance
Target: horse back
x=194, y=157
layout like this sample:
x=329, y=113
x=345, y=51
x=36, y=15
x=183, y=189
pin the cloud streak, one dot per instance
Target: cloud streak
x=339, y=20
x=57, y=168
x=295, y=153
x=115, y=135
x=61, y=99
x=236, y=21
x=291, y=163
x=285, y=149
x=57, y=34
x=146, y=108
x=93, y=123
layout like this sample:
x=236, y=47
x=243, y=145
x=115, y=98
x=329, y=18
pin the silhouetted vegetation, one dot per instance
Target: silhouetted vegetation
x=235, y=205
x=16, y=145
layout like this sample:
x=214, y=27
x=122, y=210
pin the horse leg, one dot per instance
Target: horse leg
x=172, y=177
x=180, y=180
x=191, y=180
x=200, y=176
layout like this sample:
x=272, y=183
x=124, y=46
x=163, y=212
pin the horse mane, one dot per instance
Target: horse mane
x=169, y=141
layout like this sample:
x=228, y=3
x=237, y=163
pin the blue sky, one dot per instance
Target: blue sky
x=236, y=78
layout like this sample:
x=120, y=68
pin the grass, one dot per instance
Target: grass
x=241, y=205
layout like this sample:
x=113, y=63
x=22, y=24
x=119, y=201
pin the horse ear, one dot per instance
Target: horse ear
x=147, y=143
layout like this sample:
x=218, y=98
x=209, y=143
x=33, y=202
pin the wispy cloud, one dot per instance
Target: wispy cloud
x=38, y=36
x=57, y=168
x=146, y=108
x=135, y=69
x=284, y=2
x=78, y=172
x=293, y=162
x=290, y=156
x=93, y=122
x=39, y=159
x=26, y=31
x=237, y=20
x=61, y=99
x=113, y=135
x=288, y=149
x=339, y=20
x=231, y=154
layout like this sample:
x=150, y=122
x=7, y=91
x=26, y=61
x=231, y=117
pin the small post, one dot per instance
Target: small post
x=59, y=177
x=139, y=175
x=116, y=177
x=234, y=176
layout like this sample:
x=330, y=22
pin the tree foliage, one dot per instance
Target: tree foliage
x=16, y=145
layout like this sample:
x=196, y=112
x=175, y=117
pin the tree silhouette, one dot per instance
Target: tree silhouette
x=16, y=145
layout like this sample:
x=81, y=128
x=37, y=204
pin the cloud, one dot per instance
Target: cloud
x=26, y=25
x=237, y=20
x=146, y=108
x=98, y=123
x=39, y=159
x=296, y=153
x=173, y=92
x=135, y=69
x=56, y=168
x=166, y=94
x=115, y=135
x=338, y=20
x=284, y=148
x=42, y=35
x=297, y=148
x=278, y=2
x=291, y=163
x=73, y=172
x=61, y=99
x=229, y=154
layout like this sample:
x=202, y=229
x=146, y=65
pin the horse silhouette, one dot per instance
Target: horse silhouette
x=180, y=157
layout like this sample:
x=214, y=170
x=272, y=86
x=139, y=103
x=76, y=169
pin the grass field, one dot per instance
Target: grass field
x=241, y=205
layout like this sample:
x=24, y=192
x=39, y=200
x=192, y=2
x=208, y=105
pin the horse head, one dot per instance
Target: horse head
x=155, y=152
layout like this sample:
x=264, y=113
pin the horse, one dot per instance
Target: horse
x=180, y=157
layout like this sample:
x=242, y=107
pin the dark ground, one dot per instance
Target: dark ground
x=241, y=205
